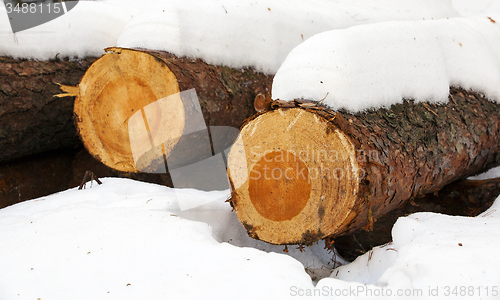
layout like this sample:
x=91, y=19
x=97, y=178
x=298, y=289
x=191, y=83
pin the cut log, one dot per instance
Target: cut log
x=301, y=172
x=126, y=120
x=31, y=119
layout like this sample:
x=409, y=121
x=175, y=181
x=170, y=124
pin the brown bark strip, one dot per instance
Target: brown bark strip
x=403, y=152
x=54, y=171
x=125, y=81
x=461, y=198
x=31, y=119
x=422, y=152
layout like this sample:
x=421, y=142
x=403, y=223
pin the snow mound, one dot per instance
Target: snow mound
x=235, y=33
x=476, y=8
x=129, y=240
x=377, y=65
x=258, y=34
x=432, y=256
x=83, y=32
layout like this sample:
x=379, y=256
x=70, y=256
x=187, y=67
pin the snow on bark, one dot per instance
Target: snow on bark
x=378, y=65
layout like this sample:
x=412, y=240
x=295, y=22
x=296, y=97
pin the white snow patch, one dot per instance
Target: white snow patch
x=128, y=240
x=490, y=174
x=377, y=65
x=235, y=33
x=467, y=8
x=258, y=34
x=82, y=32
x=434, y=256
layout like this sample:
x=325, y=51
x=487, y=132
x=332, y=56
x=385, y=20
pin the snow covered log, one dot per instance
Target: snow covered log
x=124, y=82
x=302, y=172
x=31, y=119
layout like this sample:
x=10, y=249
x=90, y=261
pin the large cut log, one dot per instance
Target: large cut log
x=302, y=172
x=31, y=119
x=128, y=92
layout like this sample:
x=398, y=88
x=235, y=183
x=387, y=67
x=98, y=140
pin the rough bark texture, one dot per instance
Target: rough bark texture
x=461, y=198
x=31, y=119
x=405, y=151
x=226, y=95
x=118, y=85
x=421, y=148
x=51, y=172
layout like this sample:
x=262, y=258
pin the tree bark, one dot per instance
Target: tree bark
x=131, y=116
x=31, y=119
x=54, y=171
x=301, y=172
x=461, y=198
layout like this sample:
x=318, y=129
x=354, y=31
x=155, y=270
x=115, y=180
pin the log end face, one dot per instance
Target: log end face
x=279, y=187
x=294, y=177
x=118, y=88
x=108, y=115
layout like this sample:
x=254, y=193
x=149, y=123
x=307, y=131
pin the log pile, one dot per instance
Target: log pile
x=299, y=172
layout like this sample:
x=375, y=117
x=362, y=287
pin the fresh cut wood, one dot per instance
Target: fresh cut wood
x=301, y=172
x=131, y=114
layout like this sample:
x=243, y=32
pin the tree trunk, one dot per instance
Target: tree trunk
x=131, y=115
x=460, y=198
x=54, y=171
x=31, y=119
x=301, y=172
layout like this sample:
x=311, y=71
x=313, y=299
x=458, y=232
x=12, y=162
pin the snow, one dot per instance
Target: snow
x=240, y=33
x=425, y=250
x=130, y=240
x=377, y=65
x=71, y=35
x=259, y=33
x=490, y=174
x=466, y=8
